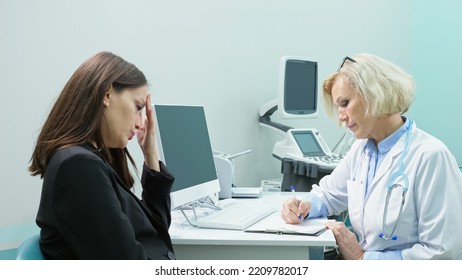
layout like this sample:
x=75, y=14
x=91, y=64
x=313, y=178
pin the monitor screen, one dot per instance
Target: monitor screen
x=298, y=86
x=308, y=143
x=184, y=146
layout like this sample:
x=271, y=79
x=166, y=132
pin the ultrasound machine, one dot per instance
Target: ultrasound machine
x=305, y=156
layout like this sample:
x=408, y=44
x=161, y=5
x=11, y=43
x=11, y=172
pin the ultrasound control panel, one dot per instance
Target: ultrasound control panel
x=307, y=145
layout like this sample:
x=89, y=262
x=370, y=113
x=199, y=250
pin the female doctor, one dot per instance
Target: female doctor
x=401, y=186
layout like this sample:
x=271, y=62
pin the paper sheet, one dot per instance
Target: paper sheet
x=275, y=224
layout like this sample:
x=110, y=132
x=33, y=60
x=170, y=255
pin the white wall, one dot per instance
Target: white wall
x=221, y=54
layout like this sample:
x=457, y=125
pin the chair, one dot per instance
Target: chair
x=30, y=249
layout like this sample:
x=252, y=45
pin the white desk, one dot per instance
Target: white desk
x=215, y=244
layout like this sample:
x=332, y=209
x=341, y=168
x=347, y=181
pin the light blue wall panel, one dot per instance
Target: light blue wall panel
x=9, y=254
x=436, y=53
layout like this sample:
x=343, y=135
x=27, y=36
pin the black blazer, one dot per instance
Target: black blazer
x=86, y=211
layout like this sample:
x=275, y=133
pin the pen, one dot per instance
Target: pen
x=292, y=189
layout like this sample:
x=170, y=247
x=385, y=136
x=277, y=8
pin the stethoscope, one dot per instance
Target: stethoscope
x=390, y=187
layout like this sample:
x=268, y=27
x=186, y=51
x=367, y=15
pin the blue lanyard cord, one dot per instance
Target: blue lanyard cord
x=400, y=171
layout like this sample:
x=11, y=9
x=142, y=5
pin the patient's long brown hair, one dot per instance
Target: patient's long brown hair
x=76, y=115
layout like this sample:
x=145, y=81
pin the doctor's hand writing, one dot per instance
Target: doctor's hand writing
x=346, y=241
x=292, y=208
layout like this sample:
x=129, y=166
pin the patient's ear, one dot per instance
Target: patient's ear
x=108, y=96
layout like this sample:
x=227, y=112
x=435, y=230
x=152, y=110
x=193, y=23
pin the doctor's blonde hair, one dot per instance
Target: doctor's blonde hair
x=384, y=87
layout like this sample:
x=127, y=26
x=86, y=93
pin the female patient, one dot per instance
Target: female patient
x=87, y=209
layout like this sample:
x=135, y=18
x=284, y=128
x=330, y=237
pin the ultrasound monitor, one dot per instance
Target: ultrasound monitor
x=298, y=87
x=307, y=143
x=184, y=146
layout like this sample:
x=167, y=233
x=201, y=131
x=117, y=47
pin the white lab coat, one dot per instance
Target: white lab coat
x=431, y=221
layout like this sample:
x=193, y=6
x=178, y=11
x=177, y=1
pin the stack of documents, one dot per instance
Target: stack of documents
x=245, y=192
x=275, y=224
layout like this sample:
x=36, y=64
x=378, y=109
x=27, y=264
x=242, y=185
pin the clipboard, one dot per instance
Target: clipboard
x=285, y=231
x=274, y=224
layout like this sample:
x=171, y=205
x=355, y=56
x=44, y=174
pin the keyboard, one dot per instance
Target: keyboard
x=238, y=216
x=326, y=161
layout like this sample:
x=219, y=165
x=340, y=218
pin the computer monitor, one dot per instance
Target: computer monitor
x=298, y=87
x=184, y=146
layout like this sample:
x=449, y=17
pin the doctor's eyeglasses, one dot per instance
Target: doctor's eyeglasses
x=344, y=60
